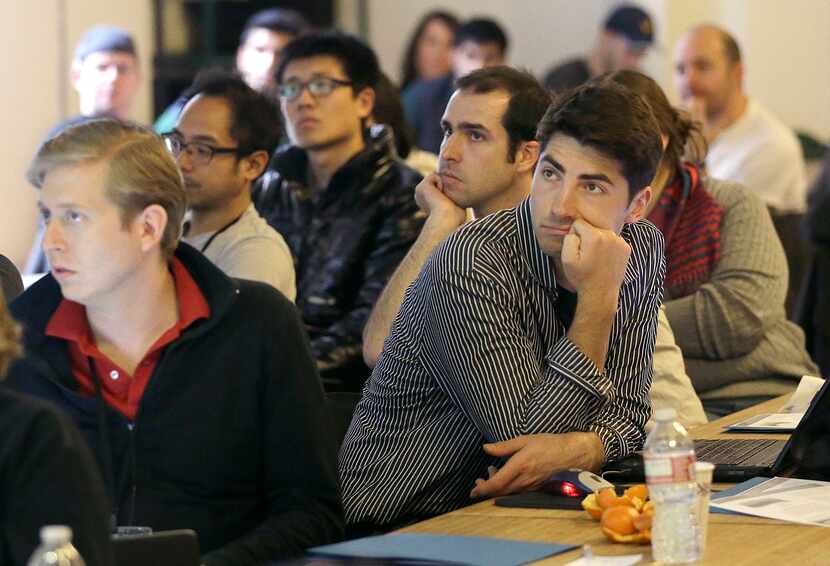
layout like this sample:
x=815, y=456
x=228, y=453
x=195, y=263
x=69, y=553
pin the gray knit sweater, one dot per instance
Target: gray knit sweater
x=733, y=331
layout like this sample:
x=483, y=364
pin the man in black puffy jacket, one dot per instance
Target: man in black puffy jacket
x=342, y=200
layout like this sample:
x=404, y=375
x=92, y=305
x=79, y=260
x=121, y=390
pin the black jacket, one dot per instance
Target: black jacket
x=346, y=242
x=47, y=477
x=231, y=438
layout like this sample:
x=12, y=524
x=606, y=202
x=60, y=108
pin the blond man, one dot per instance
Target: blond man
x=191, y=387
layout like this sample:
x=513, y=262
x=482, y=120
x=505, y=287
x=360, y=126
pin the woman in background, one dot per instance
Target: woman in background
x=47, y=475
x=726, y=273
x=427, y=55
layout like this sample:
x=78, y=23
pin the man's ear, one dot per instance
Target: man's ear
x=253, y=165
x=738, y=74
x=150, y=224
x=638, y=206
x=527, y=154
x=365, y=102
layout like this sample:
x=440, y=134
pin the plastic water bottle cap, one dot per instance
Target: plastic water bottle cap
x=665, y=414
x=55, y=535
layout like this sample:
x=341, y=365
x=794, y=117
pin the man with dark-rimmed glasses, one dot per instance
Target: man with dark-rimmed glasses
x=222, y=143
x=342, y=199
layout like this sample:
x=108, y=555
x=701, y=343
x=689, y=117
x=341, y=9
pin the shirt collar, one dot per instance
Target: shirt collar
x=541, y=264
x=69, y=320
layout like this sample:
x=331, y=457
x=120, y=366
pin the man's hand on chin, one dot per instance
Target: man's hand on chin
x=594, y=259
x=696, y=107
x=534, y=458
x=431, y=198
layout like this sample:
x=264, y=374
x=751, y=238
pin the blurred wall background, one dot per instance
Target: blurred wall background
x=785, y=46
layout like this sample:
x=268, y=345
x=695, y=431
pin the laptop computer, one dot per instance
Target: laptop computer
x=805, y=455
x=163, y=548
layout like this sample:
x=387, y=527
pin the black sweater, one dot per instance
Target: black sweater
x=231, y=438
x=47, y=477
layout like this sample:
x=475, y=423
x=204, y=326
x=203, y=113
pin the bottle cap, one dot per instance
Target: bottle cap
x=665, y=414
x=55, y=535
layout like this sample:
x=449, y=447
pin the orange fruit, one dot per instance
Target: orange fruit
x=625, y=525
x=619, y=520
x=640, y=491
x=607, y=498
x=637, y=538
x=591, y=506
x=642, y=522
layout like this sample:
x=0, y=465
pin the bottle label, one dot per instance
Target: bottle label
x=669, y=469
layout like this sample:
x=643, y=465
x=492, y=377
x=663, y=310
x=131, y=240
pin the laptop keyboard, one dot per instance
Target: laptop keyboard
x=739, y=452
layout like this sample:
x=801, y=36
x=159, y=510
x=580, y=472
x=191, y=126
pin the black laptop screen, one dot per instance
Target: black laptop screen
x=807, y=455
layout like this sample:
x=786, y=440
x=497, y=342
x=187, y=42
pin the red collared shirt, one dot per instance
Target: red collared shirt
x=120, y=389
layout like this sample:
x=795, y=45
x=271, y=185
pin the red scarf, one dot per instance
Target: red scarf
x=690, y=220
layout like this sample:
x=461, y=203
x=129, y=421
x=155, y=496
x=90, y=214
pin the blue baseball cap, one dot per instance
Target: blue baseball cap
x=633, y=23
x=104, y=38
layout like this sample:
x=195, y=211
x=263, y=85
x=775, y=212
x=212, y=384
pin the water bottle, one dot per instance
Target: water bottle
x=56, y=548
x=669, y=456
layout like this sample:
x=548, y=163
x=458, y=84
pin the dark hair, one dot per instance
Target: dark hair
x=527, y=104
x=408, y=71
x=481, y=30
x=730, y=47
x=685, y=140
x=388, y=110
x=359, y=62
x=612, y=120
x=279, y=20
x=255, y=118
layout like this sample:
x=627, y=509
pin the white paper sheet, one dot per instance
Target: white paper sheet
x=792, y=500
x=800, y=400
x=787, y=419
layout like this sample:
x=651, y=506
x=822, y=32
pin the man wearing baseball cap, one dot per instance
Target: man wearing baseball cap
x=627, y=34
x=106, y=75
x=106, y=72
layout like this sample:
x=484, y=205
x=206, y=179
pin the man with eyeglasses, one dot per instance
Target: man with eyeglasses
x=222, y=143
x=342, y=200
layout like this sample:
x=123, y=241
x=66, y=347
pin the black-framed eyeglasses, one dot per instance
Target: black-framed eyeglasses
x=318, y=87
x=200, y=153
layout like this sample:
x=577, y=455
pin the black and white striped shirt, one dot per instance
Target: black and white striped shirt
x=479, y=353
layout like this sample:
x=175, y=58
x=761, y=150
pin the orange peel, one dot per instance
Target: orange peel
x=607, y=498
x=623, y=519
x=591, y=506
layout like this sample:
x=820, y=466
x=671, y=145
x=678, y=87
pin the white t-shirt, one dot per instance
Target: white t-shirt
x=671, y=385
x=251, y=249
x=759, y=151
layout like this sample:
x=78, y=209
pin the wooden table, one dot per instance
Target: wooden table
x=733, y=540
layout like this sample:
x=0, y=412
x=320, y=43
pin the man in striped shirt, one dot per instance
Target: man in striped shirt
x=538, y=320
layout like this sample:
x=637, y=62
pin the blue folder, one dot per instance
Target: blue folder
x=444, y=549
